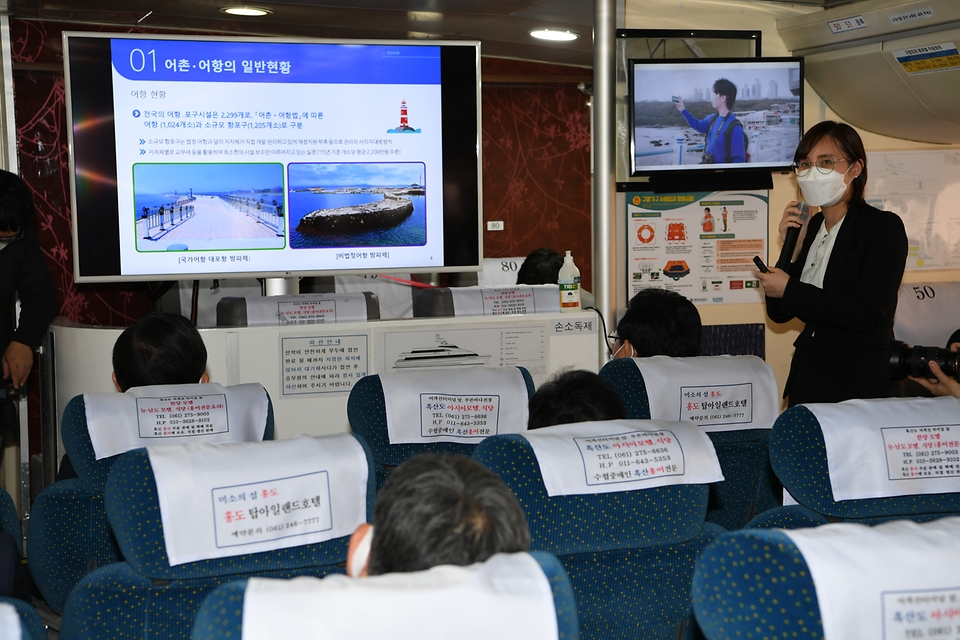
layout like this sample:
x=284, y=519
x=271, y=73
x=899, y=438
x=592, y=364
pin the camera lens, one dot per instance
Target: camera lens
x=914, y=361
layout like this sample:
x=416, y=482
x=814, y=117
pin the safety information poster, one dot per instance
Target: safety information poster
x=923, y=187
x=698, y=244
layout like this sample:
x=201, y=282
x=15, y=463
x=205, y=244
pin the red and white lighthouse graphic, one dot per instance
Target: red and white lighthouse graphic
x=404, y=126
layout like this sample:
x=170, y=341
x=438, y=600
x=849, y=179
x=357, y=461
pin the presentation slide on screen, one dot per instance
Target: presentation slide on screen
x=261, y=157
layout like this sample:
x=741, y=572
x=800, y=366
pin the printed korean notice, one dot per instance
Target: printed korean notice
x=717, y=404
x=264, y=511
x=627, y=457
x=182, y=416
x=867, y=442
x=922, y=452
x=223, y=500
x=463, y=416
x=508, y=302
x=622, y=455
x=931, y=613
x=505, y=301
x=307, y=312
x=322, y=364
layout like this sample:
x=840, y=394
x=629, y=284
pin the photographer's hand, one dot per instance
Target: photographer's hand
x=944, y=385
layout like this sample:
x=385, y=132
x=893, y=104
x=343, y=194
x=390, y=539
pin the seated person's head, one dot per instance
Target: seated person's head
x=161, y=348
x=659, y=322
x=540, y=267
x=575, y=396
x=437, y=510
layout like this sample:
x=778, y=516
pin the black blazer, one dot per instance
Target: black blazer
x=844, y=350
x=24, y=272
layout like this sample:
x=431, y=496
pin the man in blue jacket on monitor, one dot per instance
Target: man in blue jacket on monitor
x=726, y=141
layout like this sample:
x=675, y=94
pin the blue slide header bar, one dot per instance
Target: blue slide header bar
x=234, y=61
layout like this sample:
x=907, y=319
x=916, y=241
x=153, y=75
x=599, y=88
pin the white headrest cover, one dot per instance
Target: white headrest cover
x=508, y=597
x=717, y=393
x=894, y=580
x=622, y=455
x=224, y=500
x=454, y=406
x=891, y=446
x=165, y=415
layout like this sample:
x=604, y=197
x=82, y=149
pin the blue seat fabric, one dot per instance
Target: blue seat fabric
x=749, y=487
x=799, y=458
x=32, y=626
x=144, y=597
x=629, y=554
x=69, y=534
x=367, y=414
x=755, y=584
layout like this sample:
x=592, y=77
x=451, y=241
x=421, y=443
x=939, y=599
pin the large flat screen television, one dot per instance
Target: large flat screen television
x=676, y=119
x=218, y=157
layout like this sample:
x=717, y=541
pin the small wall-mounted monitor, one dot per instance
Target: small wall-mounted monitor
x=237, y=157
x=710, y=116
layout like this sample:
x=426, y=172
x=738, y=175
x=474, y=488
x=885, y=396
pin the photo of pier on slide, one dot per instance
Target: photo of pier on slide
x=203, y=207
x=357, y=204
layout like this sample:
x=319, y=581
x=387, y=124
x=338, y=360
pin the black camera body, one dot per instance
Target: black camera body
x=913, y=361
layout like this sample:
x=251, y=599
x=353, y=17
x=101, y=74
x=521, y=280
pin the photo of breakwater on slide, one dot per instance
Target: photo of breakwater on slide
x=357, y=205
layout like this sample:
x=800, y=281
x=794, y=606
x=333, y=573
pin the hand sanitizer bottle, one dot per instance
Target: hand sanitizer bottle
x=569, y=281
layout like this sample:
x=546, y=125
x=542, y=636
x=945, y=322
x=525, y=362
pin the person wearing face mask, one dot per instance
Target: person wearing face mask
x=842, y=281
x=23, y=274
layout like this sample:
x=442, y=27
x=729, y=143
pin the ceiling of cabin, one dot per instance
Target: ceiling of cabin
x=501, y=25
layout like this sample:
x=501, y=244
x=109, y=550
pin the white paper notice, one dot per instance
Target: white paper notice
x=322, y=364
x=182, y=416
x=273, y=509
x=508, y=301
x=922, y=452
x=926, y=613
x=318, y=311
x=466, y=416
x=622, y=455
x=306, y=309
x=625, y=457
x=717, y=405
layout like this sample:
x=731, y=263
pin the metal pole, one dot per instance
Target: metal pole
x=604, y=175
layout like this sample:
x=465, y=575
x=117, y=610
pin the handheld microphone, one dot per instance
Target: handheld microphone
x=793, y=234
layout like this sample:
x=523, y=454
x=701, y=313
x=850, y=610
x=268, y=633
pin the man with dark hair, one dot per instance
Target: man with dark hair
x=658, y=322
x=574, y=396
x=540, y=267
x=725, y=141
x=23, y=273
x=436, y=510
x=160, y=348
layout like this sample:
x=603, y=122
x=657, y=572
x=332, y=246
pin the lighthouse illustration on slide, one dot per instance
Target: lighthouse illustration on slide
x=404, y=126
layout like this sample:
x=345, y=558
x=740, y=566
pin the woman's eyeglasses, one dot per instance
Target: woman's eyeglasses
x=824, y=165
